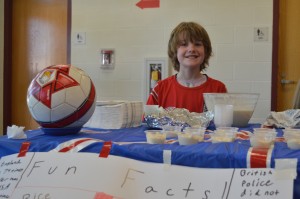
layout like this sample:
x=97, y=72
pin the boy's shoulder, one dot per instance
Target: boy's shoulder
x=216, y=84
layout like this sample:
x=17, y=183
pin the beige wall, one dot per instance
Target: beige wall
x=1, y=61
x=135, y=34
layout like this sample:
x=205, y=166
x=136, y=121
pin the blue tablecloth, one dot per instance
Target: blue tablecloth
x=205, y=155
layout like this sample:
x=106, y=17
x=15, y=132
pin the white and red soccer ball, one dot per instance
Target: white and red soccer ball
x=61, y=97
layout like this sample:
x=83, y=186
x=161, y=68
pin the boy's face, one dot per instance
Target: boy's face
x=190, y=54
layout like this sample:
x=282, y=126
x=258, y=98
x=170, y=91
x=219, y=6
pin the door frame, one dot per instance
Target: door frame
x=7, y=60
x=7, y=65
x=275, y=41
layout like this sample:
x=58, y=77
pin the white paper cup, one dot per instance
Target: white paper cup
x=223, y=115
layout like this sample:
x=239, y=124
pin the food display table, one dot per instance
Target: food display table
x=131, y=143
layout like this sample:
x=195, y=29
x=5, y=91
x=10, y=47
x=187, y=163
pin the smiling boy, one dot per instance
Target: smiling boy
x=189, y=49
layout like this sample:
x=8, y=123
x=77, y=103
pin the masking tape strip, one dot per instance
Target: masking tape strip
x=167, y=157
x=286, y=168
x=105, y=149
x=102, y=195
x=24, y=148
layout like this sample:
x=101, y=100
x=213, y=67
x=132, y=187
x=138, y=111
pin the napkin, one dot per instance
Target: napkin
x=16, y=132
x=285, y=119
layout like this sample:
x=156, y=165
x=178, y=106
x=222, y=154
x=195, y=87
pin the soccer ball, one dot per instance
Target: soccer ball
x=61, y=98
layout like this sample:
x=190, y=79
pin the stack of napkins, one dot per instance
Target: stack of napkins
x=16, y=132
x=116, y=115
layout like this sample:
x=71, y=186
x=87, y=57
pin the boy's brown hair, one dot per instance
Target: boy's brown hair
x=191, y=32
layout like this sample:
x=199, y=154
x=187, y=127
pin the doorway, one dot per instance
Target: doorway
x=286, y=51
x=37, y=34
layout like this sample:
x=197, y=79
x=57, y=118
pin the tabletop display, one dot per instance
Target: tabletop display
x=209, y=152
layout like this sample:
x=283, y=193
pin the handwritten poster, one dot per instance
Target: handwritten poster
x=85, y=175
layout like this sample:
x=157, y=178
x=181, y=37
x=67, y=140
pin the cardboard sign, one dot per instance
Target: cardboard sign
x=85, y=175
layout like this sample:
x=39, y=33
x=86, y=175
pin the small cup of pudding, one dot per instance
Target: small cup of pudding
x=191, y=135
x=294, y=143
x=292, y=137
x=260, y=142
x=155, y=136
x=194, y=130
x=171, y=131
x=259, y=130
x=224, y=134
x=217, y=137
x=262, y=138
x=227, y=129
x=287, y=133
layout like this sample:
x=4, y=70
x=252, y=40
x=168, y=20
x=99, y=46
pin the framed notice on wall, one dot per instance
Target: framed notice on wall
x=156, y=69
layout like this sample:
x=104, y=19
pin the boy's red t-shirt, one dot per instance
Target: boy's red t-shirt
x=169, y=93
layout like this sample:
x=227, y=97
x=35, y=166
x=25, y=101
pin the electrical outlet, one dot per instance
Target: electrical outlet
x=261, y=33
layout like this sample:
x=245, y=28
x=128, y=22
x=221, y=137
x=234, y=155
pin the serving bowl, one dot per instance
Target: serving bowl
x=243, y=105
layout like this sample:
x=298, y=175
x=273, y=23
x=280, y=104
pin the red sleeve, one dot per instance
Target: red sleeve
x=223, y=89
x=152, y=99
x=219, y=86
